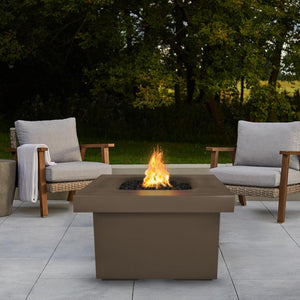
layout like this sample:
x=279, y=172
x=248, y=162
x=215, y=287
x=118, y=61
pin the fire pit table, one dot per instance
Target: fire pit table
x=162, y=234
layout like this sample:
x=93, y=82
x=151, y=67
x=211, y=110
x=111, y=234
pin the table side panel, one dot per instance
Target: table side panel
x=144, y=246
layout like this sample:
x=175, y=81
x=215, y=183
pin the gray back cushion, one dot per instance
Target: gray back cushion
x=59, y=135
x=259, y=144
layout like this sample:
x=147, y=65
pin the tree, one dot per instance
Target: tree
x=281, y=23
x=145, y=54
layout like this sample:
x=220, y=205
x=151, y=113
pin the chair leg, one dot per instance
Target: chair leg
x=70, y=196
x=42, y=185
x=43, y=204
x=242, y=199
x=283, y=188
x=281, y=208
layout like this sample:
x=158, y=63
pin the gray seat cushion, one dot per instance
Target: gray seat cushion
x=76, y=171
x=258, y=144
x=59, y=135
x=253, y=176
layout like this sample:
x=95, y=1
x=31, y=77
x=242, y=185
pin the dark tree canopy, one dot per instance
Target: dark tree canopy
x=143, y=54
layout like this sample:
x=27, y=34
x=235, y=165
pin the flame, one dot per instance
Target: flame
x=156, y=174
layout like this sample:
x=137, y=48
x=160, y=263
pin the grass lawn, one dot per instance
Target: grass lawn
x=137, y=152
x=132, y=152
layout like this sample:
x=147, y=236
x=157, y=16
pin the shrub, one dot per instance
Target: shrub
x=267, y=104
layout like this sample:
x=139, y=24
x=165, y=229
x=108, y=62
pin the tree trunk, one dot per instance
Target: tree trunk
x=177, y=49
x=177, y=94
x=190, y=86
x=213, y=104
x=276, y=57
x=275, y=64
x=242, y=90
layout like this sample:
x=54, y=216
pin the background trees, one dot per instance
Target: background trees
x=145, y=65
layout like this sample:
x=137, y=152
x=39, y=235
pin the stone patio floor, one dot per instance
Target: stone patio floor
x=53, y=258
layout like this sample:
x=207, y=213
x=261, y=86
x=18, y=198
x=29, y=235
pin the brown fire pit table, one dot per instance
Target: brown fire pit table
x=143, y=234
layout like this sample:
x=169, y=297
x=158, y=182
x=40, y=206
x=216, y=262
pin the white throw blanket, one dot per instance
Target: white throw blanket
x=28, y=170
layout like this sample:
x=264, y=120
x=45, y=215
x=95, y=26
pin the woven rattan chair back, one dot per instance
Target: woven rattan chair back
x=13, y=138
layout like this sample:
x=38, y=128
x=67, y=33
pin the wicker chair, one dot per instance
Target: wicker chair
x=243, y=190
x=53, y=187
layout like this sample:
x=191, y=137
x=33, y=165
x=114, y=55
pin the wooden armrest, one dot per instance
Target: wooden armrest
x=13, y=151
x=229, y=149
x=214, y=157
x=104, y=150
x=290, y=152
x=97, y=145
x=10, y=150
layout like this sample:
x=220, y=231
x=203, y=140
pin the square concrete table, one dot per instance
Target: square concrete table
x=143, y=234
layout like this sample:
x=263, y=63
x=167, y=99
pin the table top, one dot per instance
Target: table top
x=103, y=195
x=7, y=161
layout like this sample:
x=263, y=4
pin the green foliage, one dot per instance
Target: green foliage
x=131, y=64
x=267, y=104
x=155, y=83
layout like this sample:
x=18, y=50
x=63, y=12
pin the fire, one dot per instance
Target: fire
x=156, y=174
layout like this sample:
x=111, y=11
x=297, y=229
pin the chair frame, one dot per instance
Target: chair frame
x=54, y=187
x=242, y=191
